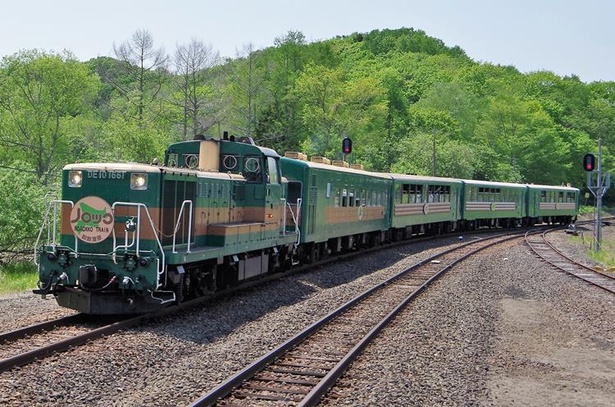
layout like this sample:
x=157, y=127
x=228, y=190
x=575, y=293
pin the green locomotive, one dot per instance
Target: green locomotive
x=129, y=238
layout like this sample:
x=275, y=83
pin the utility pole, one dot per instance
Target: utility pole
x=434, y=152
x=603, y=182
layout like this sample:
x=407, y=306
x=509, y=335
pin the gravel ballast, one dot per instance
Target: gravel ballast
x=503, y=329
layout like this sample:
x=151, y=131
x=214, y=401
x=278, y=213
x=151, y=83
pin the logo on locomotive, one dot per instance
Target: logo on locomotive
x=91, y=219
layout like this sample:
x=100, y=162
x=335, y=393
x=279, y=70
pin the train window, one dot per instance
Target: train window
x=344, y=197
x=229, y=162
x=351, y=197
x=328, y=190
x=446, y=193
x=560, y=196
x=405, y=193
x=543, y=196
x=172, y=160
x=338, y=194
x=191, y=160
x=252, y=169
x=431, y=194
x=272, y=168
x=416, y=193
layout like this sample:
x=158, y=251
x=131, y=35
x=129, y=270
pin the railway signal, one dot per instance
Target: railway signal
x=598, y=187
x=589, y=162
x=346, y=145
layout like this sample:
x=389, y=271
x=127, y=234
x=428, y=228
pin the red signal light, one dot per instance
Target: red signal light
x=347, y=145
x=589, y=162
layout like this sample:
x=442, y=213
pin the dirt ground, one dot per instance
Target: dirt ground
x=575, y=368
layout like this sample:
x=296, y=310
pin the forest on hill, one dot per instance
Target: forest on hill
x=403, y=97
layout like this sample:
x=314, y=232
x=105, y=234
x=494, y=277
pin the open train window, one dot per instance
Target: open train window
x=405, y=193
x=294, y=191
x=416, y=193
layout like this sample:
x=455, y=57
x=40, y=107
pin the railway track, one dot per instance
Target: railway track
x=35, y=342
x=28, y=344
x=540, y=245
x=301, y=370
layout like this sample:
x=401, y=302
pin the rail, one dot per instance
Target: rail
x=303, y=368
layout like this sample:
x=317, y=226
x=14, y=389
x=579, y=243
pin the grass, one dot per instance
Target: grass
x=605, y=256
x=17, y=277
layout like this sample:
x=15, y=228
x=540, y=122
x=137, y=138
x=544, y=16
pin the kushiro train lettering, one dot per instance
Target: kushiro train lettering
x=132, y=238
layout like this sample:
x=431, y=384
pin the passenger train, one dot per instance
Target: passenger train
x=133, y=238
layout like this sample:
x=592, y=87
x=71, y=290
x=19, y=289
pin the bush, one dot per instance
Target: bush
x=21, y=214
x=18, y=277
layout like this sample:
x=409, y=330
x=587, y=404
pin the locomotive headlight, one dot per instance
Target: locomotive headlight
x=75, y=179
x=138, y=181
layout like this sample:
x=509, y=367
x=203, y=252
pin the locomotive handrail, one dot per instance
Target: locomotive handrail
x=52, y=235
x=295, y=218
x=179, y=218
x=284, y=203
x=139, y=205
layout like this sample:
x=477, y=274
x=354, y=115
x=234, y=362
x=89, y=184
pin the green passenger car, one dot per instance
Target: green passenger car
x=424, y=204
x=492, y=204
x=336, y=207
x=550, y=204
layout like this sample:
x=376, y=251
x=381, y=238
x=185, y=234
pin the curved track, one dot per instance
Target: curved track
x=539, y=244
x=300, y=371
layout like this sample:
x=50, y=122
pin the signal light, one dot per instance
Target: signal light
x=347, y=145
x=589, y=162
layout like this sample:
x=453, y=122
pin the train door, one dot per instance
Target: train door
x=273, y=198
x=312, y=202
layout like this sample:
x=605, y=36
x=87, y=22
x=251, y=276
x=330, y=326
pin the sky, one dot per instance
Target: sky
x=562, y=36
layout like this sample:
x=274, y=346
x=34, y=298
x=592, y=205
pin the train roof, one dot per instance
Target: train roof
x=418, y=178
x=553, y=188
x=494, y=184
x=334, y=168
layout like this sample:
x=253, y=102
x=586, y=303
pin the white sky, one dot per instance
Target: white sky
x=566, y=37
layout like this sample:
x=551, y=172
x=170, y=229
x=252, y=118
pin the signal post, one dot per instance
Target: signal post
x=598, y=188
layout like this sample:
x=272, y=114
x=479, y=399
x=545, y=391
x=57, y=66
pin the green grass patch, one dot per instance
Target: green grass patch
x=605, y=256
x=18, y=277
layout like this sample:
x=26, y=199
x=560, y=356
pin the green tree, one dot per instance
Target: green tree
x=21, y=199
x=42, y=96
x=333, y=107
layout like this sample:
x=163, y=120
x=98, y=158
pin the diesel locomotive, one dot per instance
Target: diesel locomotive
x=132, y=238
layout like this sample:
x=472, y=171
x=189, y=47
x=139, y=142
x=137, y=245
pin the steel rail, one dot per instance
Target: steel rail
x=547, y=252
x=38, y=328
x=321, y=387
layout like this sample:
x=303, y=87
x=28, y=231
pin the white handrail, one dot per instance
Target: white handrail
x=179, y=217
x=138, y=205
x=52, y=231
